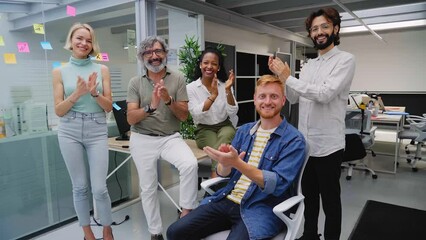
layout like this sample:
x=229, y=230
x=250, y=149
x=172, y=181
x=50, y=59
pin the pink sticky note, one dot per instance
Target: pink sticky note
x=70, y=10
x=23, y=47
x=105, y=57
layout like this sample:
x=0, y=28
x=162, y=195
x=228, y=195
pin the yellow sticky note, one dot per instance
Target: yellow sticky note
x=9, y=58
x=98, y=57
x=1, y=41
x=38, y=28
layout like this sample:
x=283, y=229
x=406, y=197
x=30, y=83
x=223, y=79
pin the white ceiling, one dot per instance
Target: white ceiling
x=279, y=18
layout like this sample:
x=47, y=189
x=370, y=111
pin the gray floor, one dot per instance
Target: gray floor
x=404, y=188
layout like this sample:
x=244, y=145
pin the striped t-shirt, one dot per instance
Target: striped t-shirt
x=262, y=137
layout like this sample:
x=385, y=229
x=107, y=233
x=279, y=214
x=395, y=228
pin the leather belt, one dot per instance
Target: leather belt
x=154, y=134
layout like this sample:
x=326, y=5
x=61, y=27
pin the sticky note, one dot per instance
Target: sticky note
x=23, y=47
x=70, y=10
x=9, y=58
x=105, y=57
x=46, y=45
x=56, y=64
x=98, y=57
x=38, y=28
x=1, y=41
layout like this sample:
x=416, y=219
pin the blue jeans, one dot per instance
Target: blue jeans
x=208, y=219
x=81, y=133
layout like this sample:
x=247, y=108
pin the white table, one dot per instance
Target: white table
x=123, y=147
x=398, y=121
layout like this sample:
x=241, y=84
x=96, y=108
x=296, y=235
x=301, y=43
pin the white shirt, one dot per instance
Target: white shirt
x=322, y=92
x=219, y=110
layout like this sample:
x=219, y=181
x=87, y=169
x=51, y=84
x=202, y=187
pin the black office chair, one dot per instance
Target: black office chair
x=359, y=139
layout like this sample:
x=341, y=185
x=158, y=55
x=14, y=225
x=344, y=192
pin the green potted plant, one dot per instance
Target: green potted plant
x=188, y=56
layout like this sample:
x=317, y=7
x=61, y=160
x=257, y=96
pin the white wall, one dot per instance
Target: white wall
x=180, y=26
x=399, y=65
x=243, y=40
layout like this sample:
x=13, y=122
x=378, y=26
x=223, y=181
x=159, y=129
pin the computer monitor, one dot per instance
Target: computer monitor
x=120, y=114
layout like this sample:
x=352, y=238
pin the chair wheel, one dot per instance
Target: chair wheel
x=414, y=169
x=374, y=176
x=348, y=177
x=397, y=164
x=408, y=160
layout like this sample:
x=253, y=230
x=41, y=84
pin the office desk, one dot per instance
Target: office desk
x=398, y=121
x=123, y=147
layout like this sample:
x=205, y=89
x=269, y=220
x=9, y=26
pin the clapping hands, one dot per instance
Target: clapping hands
x=282, y=70
x=231, y=79
x=226, y=155
x=160, y=92
x=84, y=87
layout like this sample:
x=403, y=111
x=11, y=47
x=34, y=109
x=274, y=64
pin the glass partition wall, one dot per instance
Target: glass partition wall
x=34, y=182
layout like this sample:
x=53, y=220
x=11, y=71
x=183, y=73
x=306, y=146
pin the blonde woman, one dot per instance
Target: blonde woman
x=82, y=95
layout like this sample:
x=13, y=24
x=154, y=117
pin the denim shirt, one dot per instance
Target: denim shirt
x=280, y=163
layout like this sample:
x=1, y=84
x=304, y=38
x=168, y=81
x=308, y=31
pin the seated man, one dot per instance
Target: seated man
x=156, y=104
x=259, y=180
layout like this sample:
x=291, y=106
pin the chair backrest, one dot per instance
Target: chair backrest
x=418, y=125
x=299, y=180
x=355, y=119
x=294, y=203
x=294, y=225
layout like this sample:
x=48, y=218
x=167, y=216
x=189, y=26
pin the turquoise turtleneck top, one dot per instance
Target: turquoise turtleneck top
x=83, y=68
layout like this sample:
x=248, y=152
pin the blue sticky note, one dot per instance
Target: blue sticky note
x=46, y=45
x=114, y=105
x=56, y=64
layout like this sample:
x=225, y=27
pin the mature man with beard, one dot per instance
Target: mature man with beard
x=322, y=92
x=263, y=161
x=156, y=103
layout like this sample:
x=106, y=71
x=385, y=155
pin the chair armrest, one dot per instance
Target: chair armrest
x=206, y=185
x=281, y=208
x=372, y=131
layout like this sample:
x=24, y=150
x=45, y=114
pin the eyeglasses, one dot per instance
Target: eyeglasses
x=324, y=26
x=158, y=52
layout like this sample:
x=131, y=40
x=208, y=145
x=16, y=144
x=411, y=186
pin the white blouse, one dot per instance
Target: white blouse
x=220, y=109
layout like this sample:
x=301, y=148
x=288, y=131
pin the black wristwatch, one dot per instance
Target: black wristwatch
x=148, y=109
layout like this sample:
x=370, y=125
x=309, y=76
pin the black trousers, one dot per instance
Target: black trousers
x=321, y=179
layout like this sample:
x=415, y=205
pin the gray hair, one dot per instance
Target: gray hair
x=148, y=43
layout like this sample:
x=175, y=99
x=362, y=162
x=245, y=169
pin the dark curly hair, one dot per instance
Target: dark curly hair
x=221, y=74
x=330, y=14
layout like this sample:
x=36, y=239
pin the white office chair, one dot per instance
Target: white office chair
x=358, y=122
x=417, y=135
x=292, y=222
